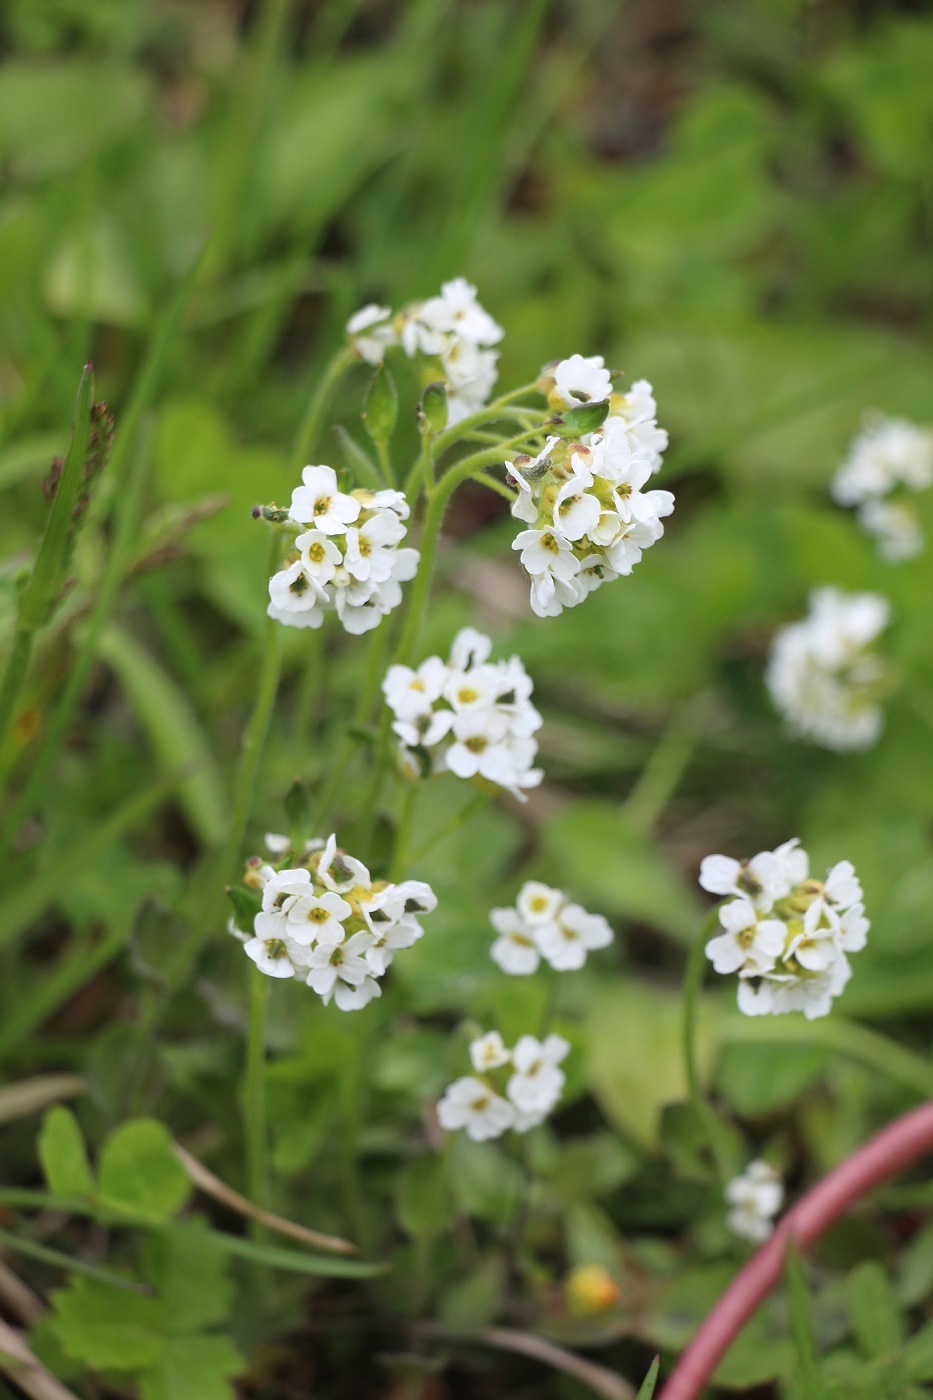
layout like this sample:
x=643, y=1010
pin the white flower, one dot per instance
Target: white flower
x=471, y=1104
x=516, y=949
x=538, y=903
x=582, y=379
x=756, y=1197
x=469, y=648
x=458, y=311
x=340, y=970
x=787, y=943
x=890, y=452
x=340, y=872
x=313, y=920
x=271, y=956
x=377, y=320
x=294, y=592
x=488, y=1052
x=821, y=676
x=576, y=511
x=745, y=938
x=895, y=528
x=546, y=552
x=632, y=421
x=408, y=691
x=370, y=549
x=537, y=1082
x=318, y=502
x=566, y=942
x=763, y=879
x=320, y=557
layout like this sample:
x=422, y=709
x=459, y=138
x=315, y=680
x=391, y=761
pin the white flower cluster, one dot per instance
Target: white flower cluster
x=784, y=933
x=326, y=922
x=755, y=1197
x=468, y=715
x=889, y=458
x=544, y=925
x=347, y=559
x=590, y=519
x=527, y=1096
x=453, y=327
x=821, y=676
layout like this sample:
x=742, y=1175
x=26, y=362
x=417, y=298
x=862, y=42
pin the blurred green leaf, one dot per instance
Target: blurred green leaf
x=139, y=1174
x=873, y=1309
x=106, y=1328
x=63, y=1155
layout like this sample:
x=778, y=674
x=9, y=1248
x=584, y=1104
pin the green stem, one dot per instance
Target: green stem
x=453, y=824
x=703, y=1110
x=385, y=462
x=400, y=858
x=309, y=692
x=490, y=414
x=309, y=430
x=14, y=678
x=422, y=471
x=374, y=670
x=662, y=773
x=254, y=1089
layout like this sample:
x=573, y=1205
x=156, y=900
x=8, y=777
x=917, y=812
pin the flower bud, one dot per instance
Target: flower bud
x=432, y=410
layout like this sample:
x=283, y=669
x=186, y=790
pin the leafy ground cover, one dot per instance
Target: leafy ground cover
x=733, y=202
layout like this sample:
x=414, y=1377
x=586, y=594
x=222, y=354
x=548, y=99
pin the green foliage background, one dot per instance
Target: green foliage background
x=734, y=201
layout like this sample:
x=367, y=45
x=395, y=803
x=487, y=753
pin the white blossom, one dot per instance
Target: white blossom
x=372, y=333
x=329, y=924
x=545, y=925
x=472, y=718
x=888, y=453
x=488, y=1052
x=471, y=1104
x=786, y=942
x=755, y=1197
x=821, y=675
x=537, y=1081
x=894, y=526
x=581, y=379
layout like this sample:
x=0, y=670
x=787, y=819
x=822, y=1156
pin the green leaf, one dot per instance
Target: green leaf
x=108, y=1329
x=635, y=1063
x=646, y=1389
x=381, y=411
x=246, y=905
x=756, y=1080
x=432, y=410
x=193, y=1368
x=191, y=1278
x=587, y=418
x=918, y=1355
x=318, y=1265
x=63, y=1155
x=424, y=1200
x=474, y=1301
x=139, y=1174
x=873, y=1310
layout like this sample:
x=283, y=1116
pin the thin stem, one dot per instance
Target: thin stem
x=421, y=471
x=367, y=694
x=400, y=858
x=385, y=462
x=704, y=1111
x=310, y=427
x=449, y=827
x=14, y=678
x=659, y=778
x=254, y=1089
x=490, y=414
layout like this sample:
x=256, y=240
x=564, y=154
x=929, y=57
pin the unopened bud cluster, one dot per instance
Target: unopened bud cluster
x=328, y=923
x=346, y=558
x=889, y=460
x=590, y=519
x=515, y=1088
x=468, y=715
x=544, y=925
x=452, y=328
x=785, y=934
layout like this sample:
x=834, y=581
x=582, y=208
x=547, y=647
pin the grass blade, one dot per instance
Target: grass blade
x=276, y=1257
x=646, y=1390
x=801, y=1325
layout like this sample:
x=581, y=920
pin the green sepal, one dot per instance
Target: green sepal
x=586, y=418
x=246, y=905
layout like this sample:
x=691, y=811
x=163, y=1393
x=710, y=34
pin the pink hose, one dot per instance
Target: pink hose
x=896, y=1146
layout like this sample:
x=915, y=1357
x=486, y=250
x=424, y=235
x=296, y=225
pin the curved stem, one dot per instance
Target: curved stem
x=704, y=1111
x=254, y=1089
x=310, y=427
x=400, y=857
x=453, y=824
x=895, y=1147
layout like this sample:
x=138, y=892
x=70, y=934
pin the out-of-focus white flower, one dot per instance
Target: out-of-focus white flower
x=328, y=923
x=894, y=526
x=471, y=1104
x=372, y=333
x=788, y=945
x=821, y=675
x=888, y=459
x=544, y=925
x=467, y=716
x=488, y=1052
x=349, y=562
x=755, y=1197
x=484, y=1108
